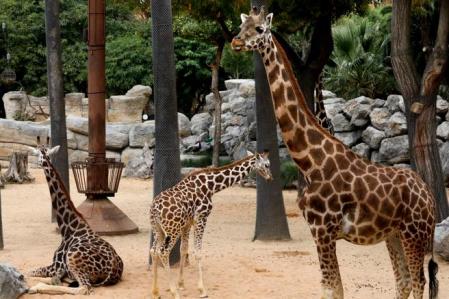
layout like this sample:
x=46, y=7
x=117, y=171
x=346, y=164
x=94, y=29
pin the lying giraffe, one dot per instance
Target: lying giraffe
x=82, y=257
x=189, y=203
x=348, y=197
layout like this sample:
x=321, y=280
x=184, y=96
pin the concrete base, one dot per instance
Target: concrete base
x=105, y=218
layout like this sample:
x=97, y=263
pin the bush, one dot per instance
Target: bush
x=361, y=53
x=289, y=174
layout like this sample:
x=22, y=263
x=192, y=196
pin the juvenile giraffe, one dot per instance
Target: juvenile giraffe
x=82, y=257
x=348, y=197
x=189, y=203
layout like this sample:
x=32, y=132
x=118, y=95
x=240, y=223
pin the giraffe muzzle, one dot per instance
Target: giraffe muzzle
x=237, y=44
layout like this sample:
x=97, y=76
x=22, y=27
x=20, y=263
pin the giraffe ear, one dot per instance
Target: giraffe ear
x=268, y=20
x=243, y=17
x=53, y=151
x=249, y=153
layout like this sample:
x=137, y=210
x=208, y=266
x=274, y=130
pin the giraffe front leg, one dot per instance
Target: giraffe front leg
x=164, y=257
x=198, y=235
x=400, y=268
x=154, y=264
x=184, y=251
x=325, y=241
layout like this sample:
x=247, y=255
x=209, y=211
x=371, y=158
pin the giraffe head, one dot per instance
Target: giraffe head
x=43, y=152
x=262, y=166
x=254, y=31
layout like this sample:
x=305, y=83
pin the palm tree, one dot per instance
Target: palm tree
x=271, y=222
x=166, y=155
x=56, y=90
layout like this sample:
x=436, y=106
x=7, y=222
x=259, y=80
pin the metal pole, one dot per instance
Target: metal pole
x=96, y=93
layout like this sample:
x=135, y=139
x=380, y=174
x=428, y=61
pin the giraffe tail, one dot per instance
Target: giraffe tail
x=433, y=281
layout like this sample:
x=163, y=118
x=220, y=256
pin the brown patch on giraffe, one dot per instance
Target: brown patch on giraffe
x=334, y=204
x=284, y=74
x=359, y=186
x=342, y=162
x=330, y=168
x=315, y=175
x=317, y=155
x=285, y=123
x=314, y=137
x=304, y=163
x=326, y=190
x=273, y=74
x=328, y=147
x=292, y=109
x=279, y=100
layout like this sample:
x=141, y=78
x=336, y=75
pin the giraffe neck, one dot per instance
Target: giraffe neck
x=68, y=218
x=223, y=177
x=302, y=134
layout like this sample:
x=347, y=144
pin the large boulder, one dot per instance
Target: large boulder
x=126, y=109
x=236, y=83
x=341, y=123
x=373, y=137
x=444, y=155
x=394, y=150
x=77, y=124
x=145, y=92
x=200, y=123
x=361, y=149
x=443, y=130
x=14, y=103
x=396, y=125
x=328, y=94
x=141, y=133
x=379, y=118
x=442, y=105
x=73, y=103
x=183, y=125
x=12, y=282
x=349, y=138
x=139, y=162
x=441, y=239
x=395, y=102
x=333, y=106
x=117, y=136
x=23, y=132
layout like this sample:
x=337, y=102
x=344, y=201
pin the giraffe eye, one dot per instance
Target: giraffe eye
x=259, y=29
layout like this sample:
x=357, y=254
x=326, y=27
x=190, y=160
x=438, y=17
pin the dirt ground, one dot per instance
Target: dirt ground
x=234, y=266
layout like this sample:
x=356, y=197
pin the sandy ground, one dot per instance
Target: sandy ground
x=234, y=266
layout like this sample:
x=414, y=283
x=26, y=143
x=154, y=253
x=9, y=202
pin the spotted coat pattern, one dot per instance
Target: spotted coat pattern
x=348, y=197
x=82, y=256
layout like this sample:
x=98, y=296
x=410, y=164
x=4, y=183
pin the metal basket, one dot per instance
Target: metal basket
x=99, y=177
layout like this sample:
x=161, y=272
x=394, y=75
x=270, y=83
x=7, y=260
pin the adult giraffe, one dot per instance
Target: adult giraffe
x=347, y=197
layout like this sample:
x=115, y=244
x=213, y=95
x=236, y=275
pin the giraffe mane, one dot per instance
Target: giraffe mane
x=210, y=169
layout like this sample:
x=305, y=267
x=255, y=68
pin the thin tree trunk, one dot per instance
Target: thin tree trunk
x=271, y=221
x=56, y=92
x=17, y=171
x=2, y=181
x=218, y=101
x=420, y=98
x=167, y=163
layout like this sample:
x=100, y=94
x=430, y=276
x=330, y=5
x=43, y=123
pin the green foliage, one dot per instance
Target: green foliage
x=361, y=50
x=289, y=174
x=237, y=65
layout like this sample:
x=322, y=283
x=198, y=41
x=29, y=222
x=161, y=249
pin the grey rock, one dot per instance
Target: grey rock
x=236, y=83
x=240, y=151
x=252, y=131
x=77, y=155
x=191, y=143
x=183, y=125
x=379, y=118
x=126, y=109
x=447, y=116
x=395, y=102
x=360, y=115
x=375, y=158
x=12, y=282
x=141, y=133
x=239, y=106
x=82, y=142
x=444, y=155
x=341, y=123
x=333, y=106
x=394, y=150
x=441, y=239
x=247, y=88
x=73, y=103
x=14, y=102
x=117, y=136
x=140, y=163
x=22, y=132
x=362, y=149
x=396, y=125
x=77, y=124
x=442, y=105
x=284, y=154
x=402, y=165
x=328, y=94
x=349, y=138
x=71, y=140
x=373, y=137
x=200, y=123
x=140, y=90
x=443, y=130
x=378, y=103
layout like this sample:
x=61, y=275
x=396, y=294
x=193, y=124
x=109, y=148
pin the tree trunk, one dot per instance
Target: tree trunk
x=1, y=224
x=271, y=221
x=420, y=98
x=56, y=92
x=217, y=112
x=2, y=181
x=17, y=171
x=166, y=152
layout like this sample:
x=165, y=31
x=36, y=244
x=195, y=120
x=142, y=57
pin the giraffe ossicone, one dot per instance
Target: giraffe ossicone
x=83, y=256
x=348, y=197
x=188, y=203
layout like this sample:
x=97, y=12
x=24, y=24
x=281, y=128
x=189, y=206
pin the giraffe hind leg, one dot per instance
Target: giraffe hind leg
x=414, y=254
x=47, y=271
x=400, y=268
x=43, y=288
